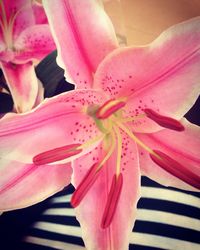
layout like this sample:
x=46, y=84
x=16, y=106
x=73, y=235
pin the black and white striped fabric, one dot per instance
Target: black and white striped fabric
x=167, y=219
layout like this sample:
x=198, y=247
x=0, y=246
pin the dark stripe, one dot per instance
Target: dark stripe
x=63, y=220
x=168, y=206
x=30, y=246
x=139, y=247
x=60, y=205
x=167, y=231
x=56, y=236
x=146, y=182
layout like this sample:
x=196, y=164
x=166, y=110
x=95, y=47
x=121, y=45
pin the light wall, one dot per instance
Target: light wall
x=143, y=20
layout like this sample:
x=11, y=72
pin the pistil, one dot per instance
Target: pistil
x=109, y=108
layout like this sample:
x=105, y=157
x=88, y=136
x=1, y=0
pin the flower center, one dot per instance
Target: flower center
x=7, y=24
x=112, y=122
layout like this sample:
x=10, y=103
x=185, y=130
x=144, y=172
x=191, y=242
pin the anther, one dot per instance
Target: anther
x=85, y=185
x=113, y=198
x=175, y=168
x=164, y=121
x=57, y=154
x=109, y=108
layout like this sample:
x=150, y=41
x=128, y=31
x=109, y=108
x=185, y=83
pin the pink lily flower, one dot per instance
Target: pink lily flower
x=25, y=39
x=130, y=123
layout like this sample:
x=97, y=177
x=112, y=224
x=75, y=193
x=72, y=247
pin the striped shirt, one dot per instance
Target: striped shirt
x=167, y=218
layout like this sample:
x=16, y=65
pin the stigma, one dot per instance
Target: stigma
x=109, y=108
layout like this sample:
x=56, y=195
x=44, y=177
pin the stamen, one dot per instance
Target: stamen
x=113, y=198
x=119, y=149
x=56, y=154
x=164, y=121
x=91, y=176
x=111, y=148
x=85, y=185
x=108, y=108
x=175, y=168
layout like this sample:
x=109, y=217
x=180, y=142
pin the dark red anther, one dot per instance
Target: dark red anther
x=164, y=121
x=85, y=185
x=175, y=168
x=56, y=154
x=113, y=198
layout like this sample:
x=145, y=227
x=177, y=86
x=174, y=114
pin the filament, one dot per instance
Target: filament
x=119, y=150
x=139, y=142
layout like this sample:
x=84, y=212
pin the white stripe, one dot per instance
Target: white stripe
x=53, y=243
x=170, y=195
x=143, y=215
x=168, y=218
x=154, y=193
x=61, y=199
x=135, y=238
x=60, y=211
x=161, y=242
x=58, y=228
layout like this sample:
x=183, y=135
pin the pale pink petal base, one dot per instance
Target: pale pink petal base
x=183, y=147
x=22, y=185
x=23, y=84
x=90, y=211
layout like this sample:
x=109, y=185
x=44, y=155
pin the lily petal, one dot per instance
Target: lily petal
x=33, y=43
x=85, y=37
x=23, y=84
x=57, y=122
x=175, y=146
x=39, y=13
x=91, y=209
x=22, y=10
x=23, y=185
x=163, y=76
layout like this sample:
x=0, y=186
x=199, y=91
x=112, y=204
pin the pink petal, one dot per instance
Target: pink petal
x=55, y=123
x=163, y=76
x=39, y=13
x=84, y=36
x=34, y=42
x=23, y=84
x=91, y=209
x=40, y=95
x=23, y=185
x=182, y=147
x=2, y=44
